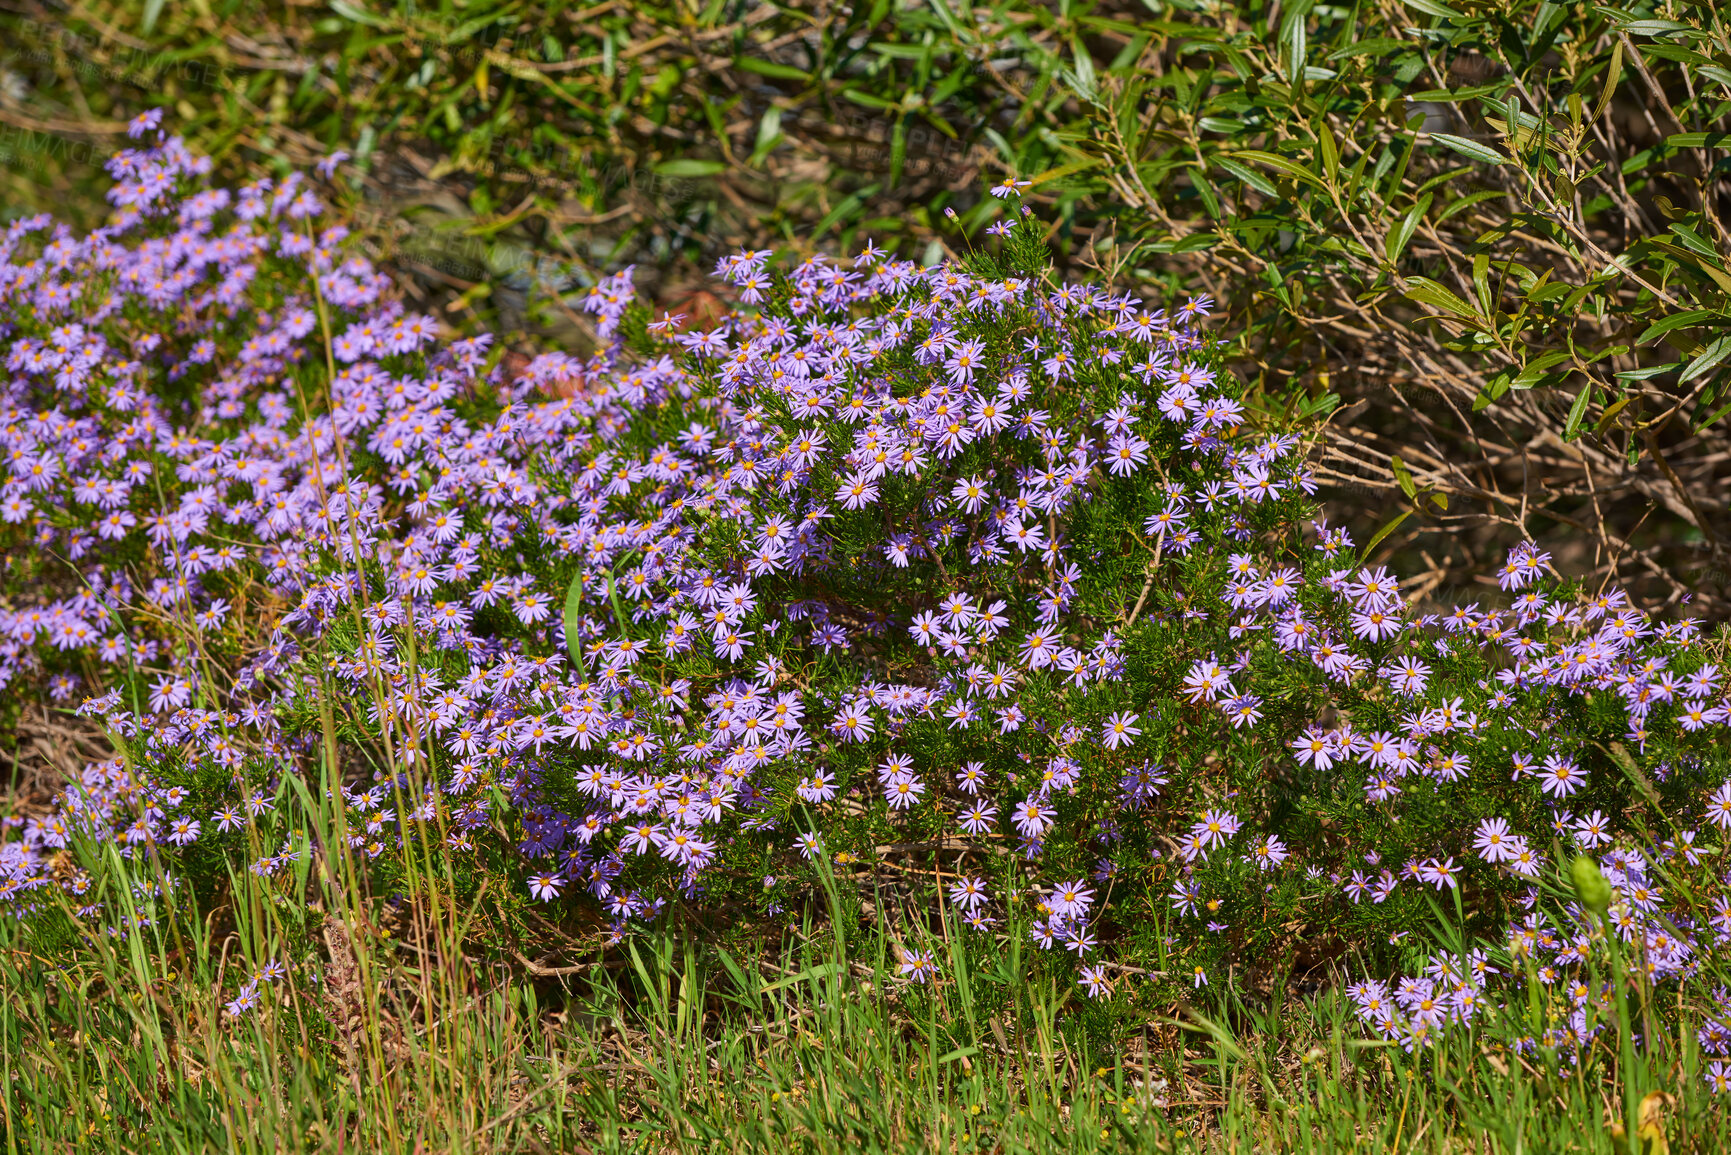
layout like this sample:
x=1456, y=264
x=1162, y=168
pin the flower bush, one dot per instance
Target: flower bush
x=955, y=567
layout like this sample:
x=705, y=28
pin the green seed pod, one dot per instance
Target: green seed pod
x=1590, y=885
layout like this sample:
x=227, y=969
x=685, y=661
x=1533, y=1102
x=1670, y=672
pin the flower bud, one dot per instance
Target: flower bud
x=1590, y=885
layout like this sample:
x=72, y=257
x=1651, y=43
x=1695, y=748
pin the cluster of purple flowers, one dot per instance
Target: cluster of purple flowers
x=1566, y=959
x=958, y=549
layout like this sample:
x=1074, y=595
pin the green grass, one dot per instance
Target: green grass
x=391, y=1038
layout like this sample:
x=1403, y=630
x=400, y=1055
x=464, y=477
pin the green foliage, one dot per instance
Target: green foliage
x=756, y=1045
x=1569, y=282
x=1509, y=217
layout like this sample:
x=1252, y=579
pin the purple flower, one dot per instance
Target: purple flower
x=1119, y=730
x=917, y=966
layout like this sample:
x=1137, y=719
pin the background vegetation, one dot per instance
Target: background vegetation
x=1494, y=230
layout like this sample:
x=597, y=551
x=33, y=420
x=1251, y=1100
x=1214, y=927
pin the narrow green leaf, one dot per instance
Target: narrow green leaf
x=620, y=617
x=1205, y=190
x=820, y=971
x=1428, y=292
x=1294, y=37
x=1578, y=412
x=770, y=69
x=1403, y=477
x=1330, y=152
x=1491, y=392
x=574, y=621
x=1376, y=540
x=1612, y=75
x=1402, y=235
x=1714, y=419
x=1462, y=204
x=1084, y=67
x=843, y=210
x=1248, y=175
x=1482, y=282
x=1380, y=46
x=1698, y=139
x=685, y=167
x=1283, y=164
x=1224, y=125
x=1653, y=27
x=768, y=134
x=1195, y=242
x=1538, y=367
x=1693, y=241
x=1648, y=372
x=1708, y=359
x=355, y=14
x=1610, y=413
x=1675, y=321
x=1471, y=149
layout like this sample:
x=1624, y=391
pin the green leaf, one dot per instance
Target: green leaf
x=1403, y=477
x=1283, y=164
x=1693, y=241
x=1329, y=150
x=1612, y=75
x=1427, y=292
x=843, y=210
x=870, y=101
x=820, y=971
x=1708, y=359
x=1084, y=69
x=768, y=134
x=1462, y=204
x=1292, y=34
x=1376, y=540
x=1538, y=367
x=1249, y=176
x=1610, y=413
x=770, y=69
x=685, y=167
x=1195, y=242
x=1402, y=233
x=1381, y=46
x=1470, y=149
x=1713, y=420
x=1653, y=27
x=574, y=621
x=1204, y=191
x=1675, y=321
x=1433, y=8
x=1647, y=372
x=1698, y=139
x=356, y=14
x=1578, y=412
